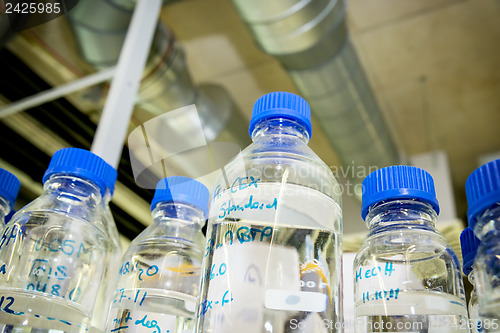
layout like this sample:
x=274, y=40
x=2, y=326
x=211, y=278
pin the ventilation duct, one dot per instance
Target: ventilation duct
x=100, y=28
x=309, y=38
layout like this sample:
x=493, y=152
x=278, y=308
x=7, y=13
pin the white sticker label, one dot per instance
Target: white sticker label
x=295, y=301
x=240, y=275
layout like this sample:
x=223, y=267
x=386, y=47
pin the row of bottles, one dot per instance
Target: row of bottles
x=272, y=257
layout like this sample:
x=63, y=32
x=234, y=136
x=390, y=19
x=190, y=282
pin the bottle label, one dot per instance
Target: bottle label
x=64, y=262
x=383, y=281
x=275, y=203
x=267, y=257
x=246, y=277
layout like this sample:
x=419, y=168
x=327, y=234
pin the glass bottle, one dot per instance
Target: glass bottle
x=52, y=250
x=273, y=255
x=406, y=275
x=159, y=278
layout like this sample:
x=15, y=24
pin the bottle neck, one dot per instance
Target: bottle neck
x=280, y=127
x=72, y=189
x=488, y=223
x=180, y=219
x=4, y=209
x=401, y=214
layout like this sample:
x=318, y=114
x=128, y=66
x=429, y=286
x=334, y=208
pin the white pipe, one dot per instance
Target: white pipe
x=115, y=118
x=57, y=92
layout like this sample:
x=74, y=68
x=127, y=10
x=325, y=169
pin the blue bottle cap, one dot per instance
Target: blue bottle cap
x=482, y=189
x=9, y=187
x=469, y=243
x=182, y=190
x=398, y=182
x=284, y=105
x=82, y=163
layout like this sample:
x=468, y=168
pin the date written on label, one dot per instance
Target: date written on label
x=138, y=297
x=380, y=295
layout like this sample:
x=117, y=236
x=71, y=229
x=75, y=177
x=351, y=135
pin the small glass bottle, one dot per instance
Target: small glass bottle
x=9, y=187
x=483, y=196
x=159, y=278
x=52, y=250
x=406, y=276
x=469, y=244
x=273, y=259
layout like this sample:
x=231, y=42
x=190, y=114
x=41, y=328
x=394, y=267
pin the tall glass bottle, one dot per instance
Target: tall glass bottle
x=52, y=250
x=273, y=254
x=9, y=187
x=483, y=196
x=406, y=276
x=469, y=244
x=159, y=278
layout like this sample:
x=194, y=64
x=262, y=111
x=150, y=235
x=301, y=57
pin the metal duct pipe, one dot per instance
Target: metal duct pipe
x=309, y=38
x=100, y=28
x=339, y=93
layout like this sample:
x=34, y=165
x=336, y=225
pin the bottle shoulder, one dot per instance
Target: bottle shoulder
x=287, y=149
x=42, y=221
x=405, y=245
x=162, y=259
x=47, y=210
x=161, y=246
x=162, y=266
x=164, y=237
x=57, y=204
x=275, y=160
